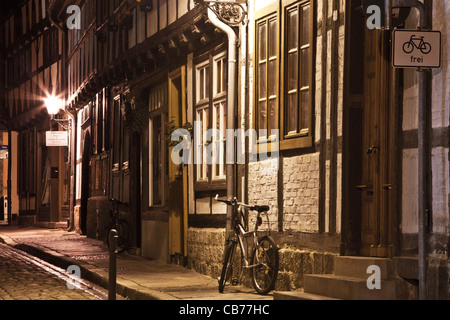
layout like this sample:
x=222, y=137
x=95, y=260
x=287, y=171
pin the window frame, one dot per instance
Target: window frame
x=216, y=96
x=279, y=10
x=158, y=108
x=266, y=15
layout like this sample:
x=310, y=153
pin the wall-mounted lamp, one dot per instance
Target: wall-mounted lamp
x=54, y=105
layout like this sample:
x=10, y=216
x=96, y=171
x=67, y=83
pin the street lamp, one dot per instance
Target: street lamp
x=54, y=105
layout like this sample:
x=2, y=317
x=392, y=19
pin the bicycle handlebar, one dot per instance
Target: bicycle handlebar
x=234, y=202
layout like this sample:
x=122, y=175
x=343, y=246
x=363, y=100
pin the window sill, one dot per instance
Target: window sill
x=296, y=143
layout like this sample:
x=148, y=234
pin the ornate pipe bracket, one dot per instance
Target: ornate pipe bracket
x=233, y=13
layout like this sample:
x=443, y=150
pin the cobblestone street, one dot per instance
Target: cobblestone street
x=23, y=277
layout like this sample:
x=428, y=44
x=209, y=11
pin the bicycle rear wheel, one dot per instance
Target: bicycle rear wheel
x=227, y=269
x=266, y=261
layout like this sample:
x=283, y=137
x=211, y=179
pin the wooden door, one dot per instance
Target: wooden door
x=177, y=201
x=375, y=164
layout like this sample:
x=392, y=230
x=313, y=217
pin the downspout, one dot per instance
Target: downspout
x=232, y=61
x=423, y=161
x=423, y=146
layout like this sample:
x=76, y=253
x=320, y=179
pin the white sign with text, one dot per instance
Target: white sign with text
x=57, y=139
x=416, y=49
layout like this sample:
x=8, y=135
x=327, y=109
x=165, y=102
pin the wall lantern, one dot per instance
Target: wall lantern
x=54, y=105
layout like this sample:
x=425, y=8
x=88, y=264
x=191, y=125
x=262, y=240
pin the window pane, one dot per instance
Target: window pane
x=293, y=113
x=305, y=25
x=263, y=115
x=262, y=81
x=272, y=78
x=219, y=77
x=157, y=161
x=292, y=29
x=206, y=82
x=273, y=115
x=224, y=76
x=224, y=136
x=262, y=41
x=293, y=72
x=217, y=139
x=273, y=38
x=305, y=68
x=202, y=88
x=305, y=110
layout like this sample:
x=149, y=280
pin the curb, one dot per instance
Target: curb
x=126, y=288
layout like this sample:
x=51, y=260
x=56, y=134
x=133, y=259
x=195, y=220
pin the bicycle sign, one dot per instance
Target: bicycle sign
x=416, y=49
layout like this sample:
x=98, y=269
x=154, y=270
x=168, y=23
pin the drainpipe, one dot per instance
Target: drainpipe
x=423, y=152
x=423, y=145
x=232, y=61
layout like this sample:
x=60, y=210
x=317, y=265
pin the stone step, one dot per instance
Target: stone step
x=357, y=267
x=348, y=288
x=298, y=295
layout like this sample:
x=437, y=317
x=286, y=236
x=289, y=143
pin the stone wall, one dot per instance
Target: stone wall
x=205, y=250
x=205, y=256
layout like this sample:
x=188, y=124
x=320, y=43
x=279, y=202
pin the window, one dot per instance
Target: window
x=219, y=114
x=297, y=73
x=267, y=74
x=116, y=127
x=210, y=117
x=158, y=150
x=283, y=81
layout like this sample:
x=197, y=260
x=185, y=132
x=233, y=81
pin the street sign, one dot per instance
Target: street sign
x=416, y=49
x=4, y=152
x=57, y=138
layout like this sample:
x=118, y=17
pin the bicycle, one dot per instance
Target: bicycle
x=265, y=257
x=424, y=47
x=121, y=225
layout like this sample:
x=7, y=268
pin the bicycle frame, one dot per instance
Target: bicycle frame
x=241, y=233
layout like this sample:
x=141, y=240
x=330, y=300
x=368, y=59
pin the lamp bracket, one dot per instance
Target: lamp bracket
x=233, y=13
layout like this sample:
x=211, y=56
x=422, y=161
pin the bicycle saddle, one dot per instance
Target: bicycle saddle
x=260, y=209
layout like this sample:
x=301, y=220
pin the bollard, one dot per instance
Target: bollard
x=113, y=236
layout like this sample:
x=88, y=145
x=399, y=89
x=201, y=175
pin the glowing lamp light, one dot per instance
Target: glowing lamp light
x=54, y=105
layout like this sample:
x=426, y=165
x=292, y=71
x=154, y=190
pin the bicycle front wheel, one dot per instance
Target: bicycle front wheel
x=266, y=261
x=227, y=269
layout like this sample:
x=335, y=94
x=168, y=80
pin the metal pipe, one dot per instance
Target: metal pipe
x=413, y=3
x=423, y=150
x=232, y=61
x=423, y=147
x=112, y=280
x=388, y=7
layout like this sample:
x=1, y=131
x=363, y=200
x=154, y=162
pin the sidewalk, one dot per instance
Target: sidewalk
x=137, y=278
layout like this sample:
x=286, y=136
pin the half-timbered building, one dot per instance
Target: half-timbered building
x=32, y=71
x=331, y=133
